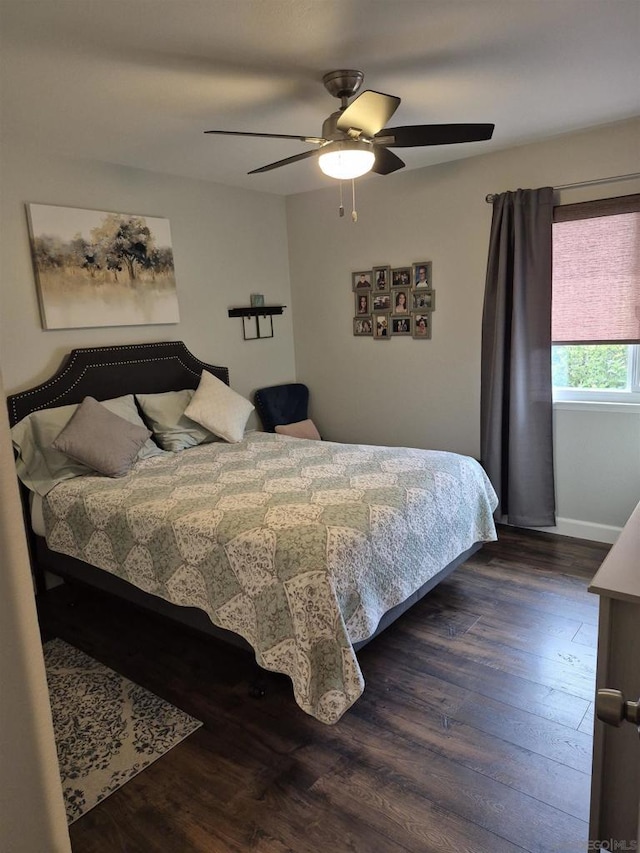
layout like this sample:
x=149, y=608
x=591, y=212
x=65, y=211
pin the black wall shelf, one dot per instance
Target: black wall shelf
x=253, y=311
x=257, y=312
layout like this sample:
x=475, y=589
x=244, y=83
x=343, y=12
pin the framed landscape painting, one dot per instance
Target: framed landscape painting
x=95, y=268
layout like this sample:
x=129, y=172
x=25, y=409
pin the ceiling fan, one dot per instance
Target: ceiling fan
x=354, y=138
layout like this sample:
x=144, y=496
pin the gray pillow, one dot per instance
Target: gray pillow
x=101, y=440
x=172, y=429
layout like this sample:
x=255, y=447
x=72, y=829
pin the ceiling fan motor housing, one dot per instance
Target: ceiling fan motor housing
x=343, y=84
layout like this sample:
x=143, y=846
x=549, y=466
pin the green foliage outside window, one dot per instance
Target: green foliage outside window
x=594, y=366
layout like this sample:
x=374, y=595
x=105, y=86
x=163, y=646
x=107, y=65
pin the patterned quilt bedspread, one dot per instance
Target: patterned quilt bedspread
x=298, y=546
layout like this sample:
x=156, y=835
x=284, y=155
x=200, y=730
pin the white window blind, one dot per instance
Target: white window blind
x=596, y=272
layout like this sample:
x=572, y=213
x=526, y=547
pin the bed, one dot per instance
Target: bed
x=304, y=550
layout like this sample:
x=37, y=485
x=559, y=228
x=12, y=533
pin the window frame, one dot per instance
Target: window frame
x=631, y=394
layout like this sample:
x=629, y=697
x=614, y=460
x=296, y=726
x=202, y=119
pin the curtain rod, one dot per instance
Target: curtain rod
x=492, y=196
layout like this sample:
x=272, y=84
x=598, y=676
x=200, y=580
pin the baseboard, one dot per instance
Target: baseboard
x=585, y=530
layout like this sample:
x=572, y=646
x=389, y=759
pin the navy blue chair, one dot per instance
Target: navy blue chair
x=282, y=404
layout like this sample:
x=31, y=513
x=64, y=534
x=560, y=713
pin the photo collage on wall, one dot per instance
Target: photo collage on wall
x=394, y=302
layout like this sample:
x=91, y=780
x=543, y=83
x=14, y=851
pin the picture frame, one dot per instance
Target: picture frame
x=390, y=301
x=421, y=325
x=381, y=278
x=361, y=280
x=400, y=301
x=401, y=277
x=257, y=300
x=421, y=275
x=363, y=327
x=362, y=302
x=423, y=300
x=381, y=327
x=88, y=275
x=381, y=302
x=402, y=325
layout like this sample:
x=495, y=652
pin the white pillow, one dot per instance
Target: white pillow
x=219, y=409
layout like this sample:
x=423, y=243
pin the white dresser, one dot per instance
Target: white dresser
x=615, y=790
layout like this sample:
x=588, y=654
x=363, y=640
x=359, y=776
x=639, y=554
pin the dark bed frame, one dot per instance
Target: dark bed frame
x=106, y=372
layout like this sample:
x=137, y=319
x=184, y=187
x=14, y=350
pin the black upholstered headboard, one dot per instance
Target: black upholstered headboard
x=107, y=372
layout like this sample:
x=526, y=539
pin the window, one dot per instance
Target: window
x=597, y=372
x=596, y=301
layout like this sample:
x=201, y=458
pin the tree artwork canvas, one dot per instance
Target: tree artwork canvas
x=95, y=268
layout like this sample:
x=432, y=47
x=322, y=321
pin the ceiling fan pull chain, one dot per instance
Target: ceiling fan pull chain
x=341, y=208
x=354, y=212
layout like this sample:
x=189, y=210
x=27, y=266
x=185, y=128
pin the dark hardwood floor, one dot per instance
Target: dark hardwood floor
x=473, y=734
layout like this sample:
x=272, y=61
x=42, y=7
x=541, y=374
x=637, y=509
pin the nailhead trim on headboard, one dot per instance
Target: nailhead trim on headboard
x=81, y=362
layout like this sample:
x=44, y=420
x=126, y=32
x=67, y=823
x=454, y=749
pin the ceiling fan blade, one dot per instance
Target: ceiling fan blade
x=386, y=161
x=284, y=162
x=433, y=134
x=313, y=139
x=369, y=112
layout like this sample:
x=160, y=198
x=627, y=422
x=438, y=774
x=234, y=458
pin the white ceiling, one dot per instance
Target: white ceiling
x=136, y=82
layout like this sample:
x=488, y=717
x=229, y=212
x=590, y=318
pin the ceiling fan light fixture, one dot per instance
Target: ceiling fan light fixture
x=346, y=160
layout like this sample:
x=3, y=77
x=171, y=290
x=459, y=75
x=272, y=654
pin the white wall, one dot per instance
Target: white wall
x=427, y=393
x=227, y=243
x=597, y=463
x=32, y=814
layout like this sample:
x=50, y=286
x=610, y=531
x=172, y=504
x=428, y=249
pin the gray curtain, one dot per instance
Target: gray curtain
x=516, y=396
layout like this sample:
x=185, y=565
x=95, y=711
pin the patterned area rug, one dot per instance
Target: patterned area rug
x=107, y=728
